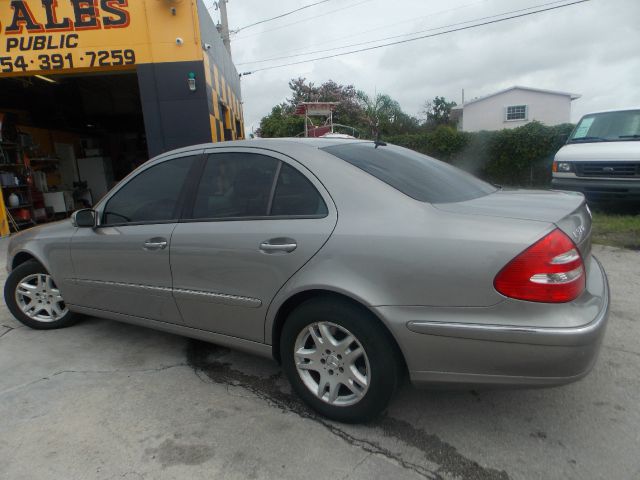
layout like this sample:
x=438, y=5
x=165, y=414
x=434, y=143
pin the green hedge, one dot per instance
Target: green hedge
x=512, y=157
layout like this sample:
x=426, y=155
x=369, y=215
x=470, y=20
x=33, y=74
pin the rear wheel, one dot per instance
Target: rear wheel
x=339, y=359
x=34, y=298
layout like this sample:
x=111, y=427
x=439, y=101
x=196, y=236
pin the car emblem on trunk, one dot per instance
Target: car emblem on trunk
x=577, y=233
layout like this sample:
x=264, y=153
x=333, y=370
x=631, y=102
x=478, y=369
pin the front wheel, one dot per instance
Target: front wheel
x=34, y=299
x=339, y=359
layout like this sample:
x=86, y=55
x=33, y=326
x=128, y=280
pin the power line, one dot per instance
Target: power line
x=291, y=12
x=303, y=20
x=401, y=35
x=383, y=27
x=490, y=22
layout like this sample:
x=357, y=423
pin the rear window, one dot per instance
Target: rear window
x=418, y=176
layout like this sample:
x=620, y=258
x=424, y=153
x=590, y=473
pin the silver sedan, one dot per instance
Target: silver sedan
x=352, y=263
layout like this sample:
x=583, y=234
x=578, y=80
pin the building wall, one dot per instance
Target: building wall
x=162, y=41
x=223, y=82
x=489, y=114
x=92, y=36
x=174, y=116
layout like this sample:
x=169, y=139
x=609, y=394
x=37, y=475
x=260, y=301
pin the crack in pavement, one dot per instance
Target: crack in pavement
x=366, y=457
x=621, y=350
x=205, y=358
x=9, y=329
x=89, y=372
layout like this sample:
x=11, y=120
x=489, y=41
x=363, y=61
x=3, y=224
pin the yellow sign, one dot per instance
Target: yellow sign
x=4, y=220
x=53, y=36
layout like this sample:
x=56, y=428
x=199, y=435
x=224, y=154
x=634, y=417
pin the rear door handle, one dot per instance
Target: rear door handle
x=156, y=244
x=279, y=245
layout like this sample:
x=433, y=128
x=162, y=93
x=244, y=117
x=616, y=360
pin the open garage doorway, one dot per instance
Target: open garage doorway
x=78, y=134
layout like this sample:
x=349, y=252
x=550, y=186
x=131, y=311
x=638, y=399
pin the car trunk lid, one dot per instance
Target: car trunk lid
x=567, y=210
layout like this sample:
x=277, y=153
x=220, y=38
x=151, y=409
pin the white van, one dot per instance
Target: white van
x=602, y=157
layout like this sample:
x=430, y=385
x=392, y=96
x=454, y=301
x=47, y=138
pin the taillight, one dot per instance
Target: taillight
x=551, y=270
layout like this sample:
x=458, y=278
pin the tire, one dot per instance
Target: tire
x=339, y=386
x=40, y=305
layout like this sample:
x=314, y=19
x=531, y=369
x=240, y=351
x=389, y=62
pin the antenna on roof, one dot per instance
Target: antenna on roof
x=377, y=142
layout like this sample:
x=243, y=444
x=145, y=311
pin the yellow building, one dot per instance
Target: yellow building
x=163, y=42
x=123, y=80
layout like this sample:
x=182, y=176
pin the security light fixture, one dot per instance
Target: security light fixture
x=192, y=81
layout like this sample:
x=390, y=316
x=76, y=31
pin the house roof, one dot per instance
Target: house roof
x=573, y=96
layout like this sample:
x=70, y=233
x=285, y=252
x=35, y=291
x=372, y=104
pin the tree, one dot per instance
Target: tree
x=378, y=116
x=280, y=123
x=438, y=111
x=347, y=112
x=379, y=112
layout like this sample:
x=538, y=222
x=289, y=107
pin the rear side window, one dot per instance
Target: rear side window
x=296, y=196
x=418, y=176
x=244, y=185
x=151, y=196
x=235, y=185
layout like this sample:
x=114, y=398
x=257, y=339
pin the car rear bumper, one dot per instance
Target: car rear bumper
x=597, y=189
x=512, y=343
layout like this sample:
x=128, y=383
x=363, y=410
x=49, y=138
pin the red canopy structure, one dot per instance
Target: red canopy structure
x=316, y=109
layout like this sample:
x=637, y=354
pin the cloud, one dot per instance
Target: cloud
x=590, y=49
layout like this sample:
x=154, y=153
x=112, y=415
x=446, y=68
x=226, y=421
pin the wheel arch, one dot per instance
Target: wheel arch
x=291, y=303
x=23, y=257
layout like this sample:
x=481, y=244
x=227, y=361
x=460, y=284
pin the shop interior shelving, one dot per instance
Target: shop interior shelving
x=11, y=156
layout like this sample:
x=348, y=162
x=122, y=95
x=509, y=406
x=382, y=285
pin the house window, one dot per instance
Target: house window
x=516, y=112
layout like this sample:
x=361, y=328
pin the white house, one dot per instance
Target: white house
x=514, y=107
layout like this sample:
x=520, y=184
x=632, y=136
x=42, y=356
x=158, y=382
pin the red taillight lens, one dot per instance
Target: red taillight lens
x=551, y=270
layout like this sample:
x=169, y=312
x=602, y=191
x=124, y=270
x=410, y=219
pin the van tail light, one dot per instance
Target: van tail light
x=551, y=271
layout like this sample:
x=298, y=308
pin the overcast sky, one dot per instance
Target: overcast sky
x=590, y=49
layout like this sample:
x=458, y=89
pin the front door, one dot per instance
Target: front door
x=256, y=220
x=122, y=265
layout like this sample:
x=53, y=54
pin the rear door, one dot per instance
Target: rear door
x=257, y=218
x=122, y=265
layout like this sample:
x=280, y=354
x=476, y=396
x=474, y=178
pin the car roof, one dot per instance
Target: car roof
x=268, y=143
x=629, y=109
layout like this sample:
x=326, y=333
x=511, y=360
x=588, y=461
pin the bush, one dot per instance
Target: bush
x=523, y=156
x=443, y=142
x=519, y=157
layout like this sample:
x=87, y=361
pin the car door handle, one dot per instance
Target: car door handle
x=275, y=246
x=156, y=244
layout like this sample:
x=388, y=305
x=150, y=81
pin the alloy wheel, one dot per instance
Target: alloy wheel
x=332, y=363
x=39, y=299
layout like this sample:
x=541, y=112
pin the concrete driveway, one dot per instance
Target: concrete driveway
x=111, y=401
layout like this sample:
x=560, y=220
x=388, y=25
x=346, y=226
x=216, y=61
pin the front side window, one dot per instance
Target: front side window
x=244, y=185
x=516, y=112
x=151, y=196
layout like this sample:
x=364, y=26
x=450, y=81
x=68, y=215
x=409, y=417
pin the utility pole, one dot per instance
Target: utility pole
x=223, y=28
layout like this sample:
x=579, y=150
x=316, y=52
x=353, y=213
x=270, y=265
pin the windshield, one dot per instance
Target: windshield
x=418, y=176
x=608, y=127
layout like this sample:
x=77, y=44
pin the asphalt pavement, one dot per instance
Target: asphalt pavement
x=104, y=400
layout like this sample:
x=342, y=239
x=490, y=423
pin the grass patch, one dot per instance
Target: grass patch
x=617, y=230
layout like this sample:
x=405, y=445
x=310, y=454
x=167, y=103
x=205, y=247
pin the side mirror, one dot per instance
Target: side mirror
x=84, y=218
